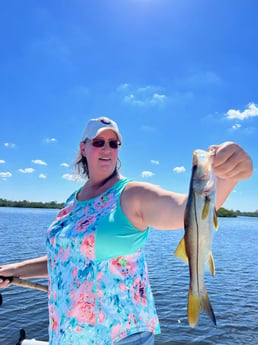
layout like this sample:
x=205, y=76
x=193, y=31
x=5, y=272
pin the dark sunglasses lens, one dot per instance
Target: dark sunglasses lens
x=98, y=143
x=113, y=144
x=101, y=142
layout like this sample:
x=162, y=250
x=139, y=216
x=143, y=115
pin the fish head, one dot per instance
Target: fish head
x=203, y=178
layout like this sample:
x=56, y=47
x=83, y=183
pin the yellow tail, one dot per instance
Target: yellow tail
x=196, y=303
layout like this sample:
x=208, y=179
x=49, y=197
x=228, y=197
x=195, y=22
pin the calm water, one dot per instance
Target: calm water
x=233, y=291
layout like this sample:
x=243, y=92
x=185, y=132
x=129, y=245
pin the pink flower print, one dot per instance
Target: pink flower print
x=86, y=210
x=116, y=268
x=100, y=293
x=122, y=287
x=123, y=266
x=151, y=324
x=87, y=247
x=115, y=331
x=105, y=202
x=64, y=211
x=83, y=304
x=101, y=316
x=64, y=254
x=83, y=224
x=100, y=276
x=139, y=291
x=84, y=312
x=131, y=319
x=54, y=319
x=75, y=273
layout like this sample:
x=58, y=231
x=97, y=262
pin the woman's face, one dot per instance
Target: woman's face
x=101, y=160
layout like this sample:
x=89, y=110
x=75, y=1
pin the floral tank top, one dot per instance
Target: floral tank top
x=99, y=290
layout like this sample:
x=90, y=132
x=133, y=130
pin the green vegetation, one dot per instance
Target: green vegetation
x=30, y=204
x=222, y=212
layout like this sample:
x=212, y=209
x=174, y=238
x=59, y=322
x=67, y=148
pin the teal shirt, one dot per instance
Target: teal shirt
x=115, y=235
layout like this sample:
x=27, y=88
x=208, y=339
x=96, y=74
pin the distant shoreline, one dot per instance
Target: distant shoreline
x=222, y=212
x=30, y=204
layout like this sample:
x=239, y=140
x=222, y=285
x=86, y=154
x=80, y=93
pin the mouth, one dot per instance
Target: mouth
x=104, y=159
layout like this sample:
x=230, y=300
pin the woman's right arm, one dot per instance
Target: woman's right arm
x=32, y=268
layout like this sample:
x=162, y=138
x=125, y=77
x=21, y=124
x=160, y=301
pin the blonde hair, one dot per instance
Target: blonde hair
x=81, y=165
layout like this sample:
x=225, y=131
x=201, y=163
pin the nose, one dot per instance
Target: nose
x=106, y=146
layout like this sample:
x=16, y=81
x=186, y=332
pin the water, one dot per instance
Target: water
x=233, y=290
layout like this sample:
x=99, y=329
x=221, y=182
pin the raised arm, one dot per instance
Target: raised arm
x=148, y=205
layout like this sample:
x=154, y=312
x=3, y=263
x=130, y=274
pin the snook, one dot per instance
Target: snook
x=195, y=247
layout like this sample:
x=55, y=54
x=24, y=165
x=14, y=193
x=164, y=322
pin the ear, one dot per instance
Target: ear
x=83, y=148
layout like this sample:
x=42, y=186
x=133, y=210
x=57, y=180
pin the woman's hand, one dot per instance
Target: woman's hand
x=231, y=162
x=6, y=271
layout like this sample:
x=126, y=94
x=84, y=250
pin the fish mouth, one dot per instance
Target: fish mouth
x=201, y=172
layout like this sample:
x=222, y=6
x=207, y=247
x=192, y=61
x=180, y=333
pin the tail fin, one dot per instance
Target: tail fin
x=197, y=303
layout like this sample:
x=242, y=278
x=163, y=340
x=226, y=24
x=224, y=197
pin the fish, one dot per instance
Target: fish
x=200, y=220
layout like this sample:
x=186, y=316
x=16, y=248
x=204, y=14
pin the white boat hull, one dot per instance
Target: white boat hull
x=34, y=342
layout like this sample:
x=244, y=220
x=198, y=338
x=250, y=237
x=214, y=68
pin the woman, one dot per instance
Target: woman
x=99, y=291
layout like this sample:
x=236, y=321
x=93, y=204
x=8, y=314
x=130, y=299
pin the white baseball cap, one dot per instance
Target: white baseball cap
x=95, y=126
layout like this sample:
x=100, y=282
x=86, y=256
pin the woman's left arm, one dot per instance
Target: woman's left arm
x=231, y=164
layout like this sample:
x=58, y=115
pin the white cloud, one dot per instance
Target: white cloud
x=147, y=174
x=123, y=87
x=26, y=170
x=153, y=161
x=148, y=129
x=2, y=161
x=10, y=145
x=203, y=78
x=50, y=140
x=179, y=170
x=72, y=177
x=133, y=100
x=64, y=165
x=142, y=96
x=236, y=126
x=158, y=98
x=5, y=175
x=39, y=162
x=250, y=111
x=42, y=176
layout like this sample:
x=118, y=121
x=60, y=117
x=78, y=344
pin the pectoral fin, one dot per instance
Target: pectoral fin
x=181, y=251
x=215, y=220
x=211, y=264
x=206, y=208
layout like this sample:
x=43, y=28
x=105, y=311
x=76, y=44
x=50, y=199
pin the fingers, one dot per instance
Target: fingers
x=4, y=283
x=231, y=161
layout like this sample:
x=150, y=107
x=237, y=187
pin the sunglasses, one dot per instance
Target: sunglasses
x=113, y=144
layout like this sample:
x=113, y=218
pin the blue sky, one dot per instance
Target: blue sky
x=175, y=76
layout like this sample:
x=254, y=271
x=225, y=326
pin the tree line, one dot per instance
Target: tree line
x=222, y=212
x=30, y=204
